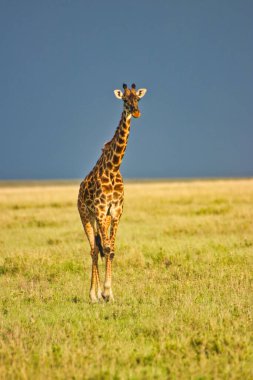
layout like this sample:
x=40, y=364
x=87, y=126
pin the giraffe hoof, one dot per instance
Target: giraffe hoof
x=106, y=298
x=100, y=297
x=93, y=298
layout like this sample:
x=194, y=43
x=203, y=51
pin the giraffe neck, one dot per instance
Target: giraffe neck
x=114, y=150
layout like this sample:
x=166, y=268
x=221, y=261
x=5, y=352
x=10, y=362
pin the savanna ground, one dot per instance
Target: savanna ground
x=182, y=281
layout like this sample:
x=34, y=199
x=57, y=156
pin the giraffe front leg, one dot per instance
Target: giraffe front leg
x=99, y=292
x=88, y=224
x=93, y=284
x=108, y=294
x=116, y=214
x=114, y=228
x=103, y=224
x=95, y=288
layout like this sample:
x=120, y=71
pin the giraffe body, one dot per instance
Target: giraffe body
x=101, y=195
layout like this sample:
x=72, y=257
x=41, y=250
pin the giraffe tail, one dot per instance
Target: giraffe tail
x=99, y=245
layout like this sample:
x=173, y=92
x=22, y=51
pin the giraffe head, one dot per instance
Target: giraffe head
x=131, y=99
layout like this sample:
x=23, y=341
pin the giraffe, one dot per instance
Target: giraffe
x=101, y=195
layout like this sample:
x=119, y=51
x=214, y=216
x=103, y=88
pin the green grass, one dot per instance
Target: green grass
x=182, y=282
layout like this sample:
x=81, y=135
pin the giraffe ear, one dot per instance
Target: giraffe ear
x=141, y=92
x=118, y=94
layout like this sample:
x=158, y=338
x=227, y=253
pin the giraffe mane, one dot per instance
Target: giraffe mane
x=106, y=145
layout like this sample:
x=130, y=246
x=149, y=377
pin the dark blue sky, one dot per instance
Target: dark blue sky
x=61, y=61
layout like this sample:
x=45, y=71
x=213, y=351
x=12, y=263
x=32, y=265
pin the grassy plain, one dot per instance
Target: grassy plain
x=182, y=282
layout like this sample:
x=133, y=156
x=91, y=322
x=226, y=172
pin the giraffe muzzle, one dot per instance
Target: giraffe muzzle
x=136, y=114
